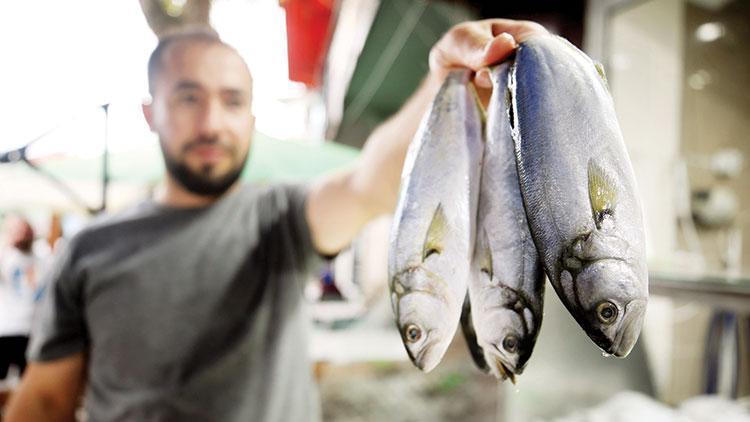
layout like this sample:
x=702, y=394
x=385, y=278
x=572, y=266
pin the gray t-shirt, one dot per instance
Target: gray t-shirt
x=188, y=314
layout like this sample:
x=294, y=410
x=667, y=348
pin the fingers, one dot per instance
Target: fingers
x=476, y=45
x=519, y=30
x=495, y=51
x=469, y=45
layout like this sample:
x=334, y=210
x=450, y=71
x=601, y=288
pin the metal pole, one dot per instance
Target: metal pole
x=105, y=159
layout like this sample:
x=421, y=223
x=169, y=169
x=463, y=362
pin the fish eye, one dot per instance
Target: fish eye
x=606, y=312
x=510, y=343
x=412, y=333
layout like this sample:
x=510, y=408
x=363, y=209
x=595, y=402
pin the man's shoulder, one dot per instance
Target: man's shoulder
x=279, y=198
x=266, y=190
x=127, y=215
x=266, y=199
x=106, y=226
x=271, y=197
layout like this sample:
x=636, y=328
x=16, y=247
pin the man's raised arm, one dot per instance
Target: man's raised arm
x=340, y=204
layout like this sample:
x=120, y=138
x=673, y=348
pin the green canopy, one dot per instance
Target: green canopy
x=133, y=173
x=270, y=160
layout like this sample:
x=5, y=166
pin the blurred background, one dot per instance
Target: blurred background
x=327, y=72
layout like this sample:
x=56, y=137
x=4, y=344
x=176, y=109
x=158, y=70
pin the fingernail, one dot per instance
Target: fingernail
x=508, y=37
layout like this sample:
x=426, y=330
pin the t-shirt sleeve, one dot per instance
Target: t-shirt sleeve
x=59, y=328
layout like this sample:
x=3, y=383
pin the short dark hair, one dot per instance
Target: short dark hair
x=196, y=34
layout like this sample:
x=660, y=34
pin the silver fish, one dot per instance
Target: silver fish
x=579, y=189
x=433, y=229
x=506, y=286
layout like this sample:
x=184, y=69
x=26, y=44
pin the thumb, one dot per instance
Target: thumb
x=471, y=45
x=495, y=51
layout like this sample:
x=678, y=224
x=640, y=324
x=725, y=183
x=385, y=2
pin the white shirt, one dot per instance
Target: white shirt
x=20, y=290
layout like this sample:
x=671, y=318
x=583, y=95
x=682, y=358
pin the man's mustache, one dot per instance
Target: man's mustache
x=207, y=142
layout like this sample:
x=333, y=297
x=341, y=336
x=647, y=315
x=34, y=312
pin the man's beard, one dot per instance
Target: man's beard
x=201, y=182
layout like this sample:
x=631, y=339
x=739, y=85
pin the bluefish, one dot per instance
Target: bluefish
x=579, y=189
x=506, y=287
x=433, y=228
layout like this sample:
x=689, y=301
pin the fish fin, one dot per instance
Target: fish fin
x=600, y=70
x=485, y=255
x=470, y=335
x=602, y=193
x=433, y=242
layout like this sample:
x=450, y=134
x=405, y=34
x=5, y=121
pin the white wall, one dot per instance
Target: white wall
x=645, y=57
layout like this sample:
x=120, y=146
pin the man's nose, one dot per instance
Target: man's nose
x=210, y=120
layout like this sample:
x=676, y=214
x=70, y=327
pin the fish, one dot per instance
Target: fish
x=506, y=286
x=432, y=233
x=579, y=189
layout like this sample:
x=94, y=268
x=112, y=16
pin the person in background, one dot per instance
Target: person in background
x=20, y=290
x=55, y=239
x=189, y=307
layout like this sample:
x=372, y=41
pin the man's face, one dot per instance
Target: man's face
x=20, y=233
x=201, y=112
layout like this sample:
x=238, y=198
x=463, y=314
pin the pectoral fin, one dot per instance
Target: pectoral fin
x=602, y=193
x=485, y=255
x=434, y=241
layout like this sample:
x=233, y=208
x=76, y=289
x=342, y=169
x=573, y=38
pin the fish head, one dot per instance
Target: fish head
x=423, y=317
x=508, y=343
x=613, y=300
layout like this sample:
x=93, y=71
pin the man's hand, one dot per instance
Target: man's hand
x=479, y=44
x=339, y=205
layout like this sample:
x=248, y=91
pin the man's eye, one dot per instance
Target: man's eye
x=189, y=99
x=234, y=103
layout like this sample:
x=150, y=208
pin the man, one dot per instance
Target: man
x=188, y=307
x=20, y=290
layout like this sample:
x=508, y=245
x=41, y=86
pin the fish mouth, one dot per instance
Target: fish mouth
x=421, y=359
x=499, y=368
x=628, y=333
x=503, y=371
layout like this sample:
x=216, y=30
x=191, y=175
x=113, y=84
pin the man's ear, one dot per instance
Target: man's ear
x=147, y=108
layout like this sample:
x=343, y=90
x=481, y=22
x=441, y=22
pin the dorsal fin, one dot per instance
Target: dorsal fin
x=602, y=193
x=433, y=242
x=600, y=70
